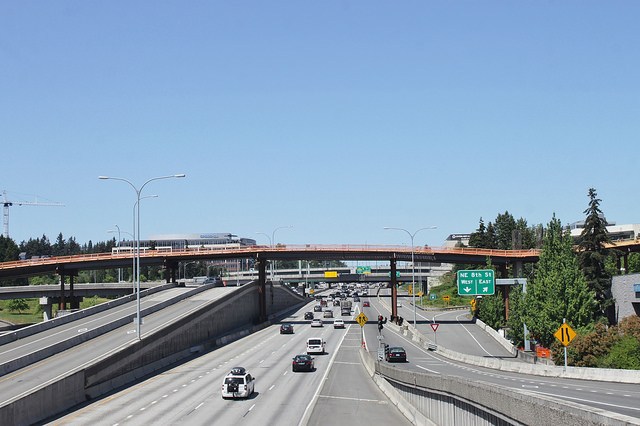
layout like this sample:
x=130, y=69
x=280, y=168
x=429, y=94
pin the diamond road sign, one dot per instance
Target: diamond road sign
x=476, y=282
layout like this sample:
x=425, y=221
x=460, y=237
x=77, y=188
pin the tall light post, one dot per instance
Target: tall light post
x=272, y=240
x=413, y=265
x=137, y=231
x=118, y=246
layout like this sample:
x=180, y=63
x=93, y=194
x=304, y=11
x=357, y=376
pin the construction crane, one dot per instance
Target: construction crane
x=6, y=203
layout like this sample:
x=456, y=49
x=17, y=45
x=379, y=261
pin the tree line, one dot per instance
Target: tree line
x=572, y=280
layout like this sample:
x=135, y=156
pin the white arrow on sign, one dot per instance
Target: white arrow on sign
x=485, y=289
x=467, y=289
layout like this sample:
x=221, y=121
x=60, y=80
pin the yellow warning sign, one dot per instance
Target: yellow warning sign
x=565, y=334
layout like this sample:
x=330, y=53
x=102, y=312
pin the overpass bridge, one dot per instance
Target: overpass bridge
x=169, y=259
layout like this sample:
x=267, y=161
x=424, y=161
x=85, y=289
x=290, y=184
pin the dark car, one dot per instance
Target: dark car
x=317, y=308
x=303, y=363
x=308, y=315
x=286, y=328
x=396, y=354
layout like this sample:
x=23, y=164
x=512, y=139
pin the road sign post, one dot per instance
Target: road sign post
x=434, y=327
x=565, y=335
x=476, y=282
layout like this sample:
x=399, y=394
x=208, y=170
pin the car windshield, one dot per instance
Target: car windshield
x=314, y=342
x=303, y=358
x=396, y=350
x=237, y=380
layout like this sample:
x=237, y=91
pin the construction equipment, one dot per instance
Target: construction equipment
x=6, y=203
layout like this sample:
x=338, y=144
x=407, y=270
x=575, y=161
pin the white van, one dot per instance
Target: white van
x=315, y=345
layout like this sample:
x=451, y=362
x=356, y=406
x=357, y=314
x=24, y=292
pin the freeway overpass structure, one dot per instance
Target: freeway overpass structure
x=428, y=387
x=68, y=266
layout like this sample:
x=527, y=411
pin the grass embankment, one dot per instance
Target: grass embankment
x=33, y=314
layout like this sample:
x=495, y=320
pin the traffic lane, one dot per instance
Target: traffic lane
x=622, y=398
x=348, y=395
x=23, y=381
x=456, y=331
x=29, y=344
x=190, y=393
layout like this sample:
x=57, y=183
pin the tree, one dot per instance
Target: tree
x=515, y=322
x=17, y=305
x=558, y=289
x=504, y=225
x=593, y=255
x=479, y=238
x=491, y=310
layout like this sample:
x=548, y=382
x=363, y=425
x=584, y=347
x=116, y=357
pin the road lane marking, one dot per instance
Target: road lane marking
x=199, y=405
x=378, y=401
x=426, y=369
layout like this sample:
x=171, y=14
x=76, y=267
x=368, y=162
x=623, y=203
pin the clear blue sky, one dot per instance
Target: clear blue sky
x=335, y=117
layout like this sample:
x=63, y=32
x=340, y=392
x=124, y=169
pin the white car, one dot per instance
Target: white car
x=338, y=323
x=315, y=345
x=238, y=384
x=316, y=323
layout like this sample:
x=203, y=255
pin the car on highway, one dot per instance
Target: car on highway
x=238, y=384
x=396, y=354
x=303, y=363
x=317, y=308
x=338, y=323
x=286, y=328
x=365, y=304
x=315, y=345
x=308, y=315
x=327, y=314
x=316, y=323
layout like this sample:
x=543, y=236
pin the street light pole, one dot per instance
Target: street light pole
x=137, y=231
x=413, y=265
x=133, y=267
x=272, y=241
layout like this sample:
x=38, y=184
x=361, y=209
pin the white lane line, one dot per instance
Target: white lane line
x=272, y=386
x=199, y=405
x=377, y=401
x=426, y=369
x=589, y=401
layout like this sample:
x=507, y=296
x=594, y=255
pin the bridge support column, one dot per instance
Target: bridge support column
x=262, y=289
x=62, y=305
x=394, y=288
x=74, y=302
x=47, y=308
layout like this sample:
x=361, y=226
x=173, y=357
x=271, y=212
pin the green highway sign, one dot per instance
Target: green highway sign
x=476, y=282
x=363, y=270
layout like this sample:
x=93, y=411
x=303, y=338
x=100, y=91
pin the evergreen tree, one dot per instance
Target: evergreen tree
x=478, y=238
x=558, y=289
x=490, y=240
x=504, y=226
x=593, y=256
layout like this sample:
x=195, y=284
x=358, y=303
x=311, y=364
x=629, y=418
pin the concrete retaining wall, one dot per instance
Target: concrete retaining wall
x=47, y=325
x=601, y=374
x=216, y=324
x=453, y=400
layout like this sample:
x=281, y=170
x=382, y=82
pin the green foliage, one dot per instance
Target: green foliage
x=558, y=289
x=17, y=305
x=516, y=321
x=491, y=310
x=593, y=256
x=625, y=353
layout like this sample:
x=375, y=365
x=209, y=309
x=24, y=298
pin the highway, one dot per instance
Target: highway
x=190, y=393
x=622, y=398
x=27, y=345
x=24, y=380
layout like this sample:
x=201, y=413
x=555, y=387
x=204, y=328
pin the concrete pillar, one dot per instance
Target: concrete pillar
x=74, y=302
x=62, y=304
x=262, y=289
x=47, y=308
x=394, y=288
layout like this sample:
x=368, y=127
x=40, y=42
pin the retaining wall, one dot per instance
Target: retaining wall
x=218, y=323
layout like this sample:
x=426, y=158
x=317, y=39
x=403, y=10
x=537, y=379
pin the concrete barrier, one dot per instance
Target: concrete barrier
x=47, y=325
x=454, y=400
x=222, y=321
x=548, y=370
x=39, y=355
